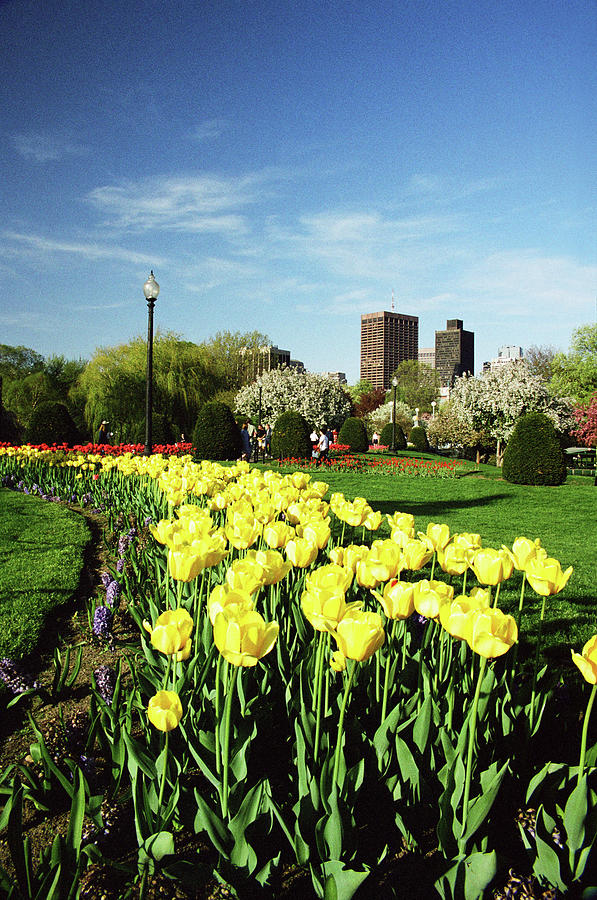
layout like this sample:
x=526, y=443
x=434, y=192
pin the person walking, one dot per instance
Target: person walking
x=323, y=445
x=102, y=436
x=245, y=442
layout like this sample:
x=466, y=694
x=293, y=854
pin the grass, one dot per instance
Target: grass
x=41, y=558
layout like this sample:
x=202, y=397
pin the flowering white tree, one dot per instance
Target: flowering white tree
x=493, y=402
x=320, y=400
x=379, y=417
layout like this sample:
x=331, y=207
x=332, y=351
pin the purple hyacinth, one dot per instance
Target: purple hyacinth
x=106, y=578
x=105, y=679
x=15, y=678
x=120, y=566
x=112, y=593
x=102, y=622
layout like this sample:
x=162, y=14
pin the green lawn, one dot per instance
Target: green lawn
x=41, y=558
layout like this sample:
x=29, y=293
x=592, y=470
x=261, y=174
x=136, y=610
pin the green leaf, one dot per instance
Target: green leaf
x=207, y=820
x=422, y=724
x=77, y=814
x=342, y=883
x=157, y=846
x=478, y=809
x=137, y=758
x=547, y=862
x=333, y=831
x=575, y=814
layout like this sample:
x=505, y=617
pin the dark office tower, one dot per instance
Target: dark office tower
x=387, y=339
x=454, y=352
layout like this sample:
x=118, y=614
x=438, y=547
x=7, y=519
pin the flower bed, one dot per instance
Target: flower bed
x=302, y=694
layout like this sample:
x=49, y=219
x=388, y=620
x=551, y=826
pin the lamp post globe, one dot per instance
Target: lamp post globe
x=151, y=289
x=394, y=385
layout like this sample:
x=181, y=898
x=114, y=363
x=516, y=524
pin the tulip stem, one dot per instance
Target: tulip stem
x=163, y=783
x=471, y=745
x=585, y=731
x=518, y=621
x=317, y=693
x=536, y=666
x=497, y=594
x=217, y=711
x=386, y=682
x=226, y=740
x=341, y=722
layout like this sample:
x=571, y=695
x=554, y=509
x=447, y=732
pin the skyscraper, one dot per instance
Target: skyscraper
x=454, y=352
x=387, y=339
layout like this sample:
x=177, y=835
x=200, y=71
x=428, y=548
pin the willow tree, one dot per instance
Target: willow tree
x=115, y=378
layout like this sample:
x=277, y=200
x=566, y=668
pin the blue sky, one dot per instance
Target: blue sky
x=286, y=166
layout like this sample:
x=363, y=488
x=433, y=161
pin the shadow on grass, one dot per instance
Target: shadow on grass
x=436, y=507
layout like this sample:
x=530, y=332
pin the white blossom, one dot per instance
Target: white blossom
x=320, y=400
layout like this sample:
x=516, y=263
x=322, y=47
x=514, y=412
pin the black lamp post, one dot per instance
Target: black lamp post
x=151, y=289
x=394, y=385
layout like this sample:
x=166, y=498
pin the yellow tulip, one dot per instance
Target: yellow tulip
x=359, y=634
x=402, y=537
x=171, y=631
x=245, y=574
x=184, y=565
x=165, y=710
x=242, y=532
x=373, y=521
x=301, y=552
x=453, y=560
x=415, y=554
x=429, y=597
x=352, y=556
x=381, y=563
x=492, y=566
x=545, y=575
x=491, y=632
x=522, y=552
x=353, y=513
x=402, y=521
x=318, y=532
x=326, y=608
x=587, y=661
x=243, y=637
x=223, y=595
x=330, y=578
x=338, y=661
x=437, y=535
x=274, y=566
x=455, y=616
x=277, y=534
x=337, y=555
x=397, y=599
x=467, y=541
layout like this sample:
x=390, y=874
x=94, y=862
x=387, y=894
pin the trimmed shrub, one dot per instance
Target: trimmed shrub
x=216, y=434
x=418, y=438
x=533, y=454
x=291, y=437
x=9, y=431
x=387, y=433
x=354, y=433
x=51, y=423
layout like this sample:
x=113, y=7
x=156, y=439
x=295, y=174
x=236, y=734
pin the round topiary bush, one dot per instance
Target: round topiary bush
x=354, y=433
x=533, y=454
x=418, y=438
x=291, y=437
x=51, y=423
x=216, y=434
x=387, y=434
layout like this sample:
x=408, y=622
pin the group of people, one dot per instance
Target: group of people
x=321, y=442
x=256, y=441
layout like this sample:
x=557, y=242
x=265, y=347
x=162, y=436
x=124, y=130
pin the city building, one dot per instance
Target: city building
x=454, y=352
x=427, y=356
x=254, y=361
x=339, y=377
x=387, y=339
x=506, y=356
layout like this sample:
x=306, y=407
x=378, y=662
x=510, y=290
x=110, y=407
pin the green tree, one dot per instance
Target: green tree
x=418, y=384
x=22, y=396
x=17, y=362
x=575, y=372
x=540, y=361
x=115, y=378
x=225, y=353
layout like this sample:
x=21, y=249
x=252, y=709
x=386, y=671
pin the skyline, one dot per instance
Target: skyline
x=285, y=169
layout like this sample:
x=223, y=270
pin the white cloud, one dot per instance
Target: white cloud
x=209, y=129
x=42, y=148
x=31, y=243
x=194, y=203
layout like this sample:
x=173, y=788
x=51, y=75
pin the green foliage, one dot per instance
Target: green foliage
x=575, y=372
x=51, y=423
x=291, y=437
x=418, y=384
x=17, y=362
x=9, y=430
x=234, y=357
x=162, y=431
x=216, y=434
x=354, y=433
x=41, y=559
x=387, y=434
x=534, y=453
x=418, y=438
